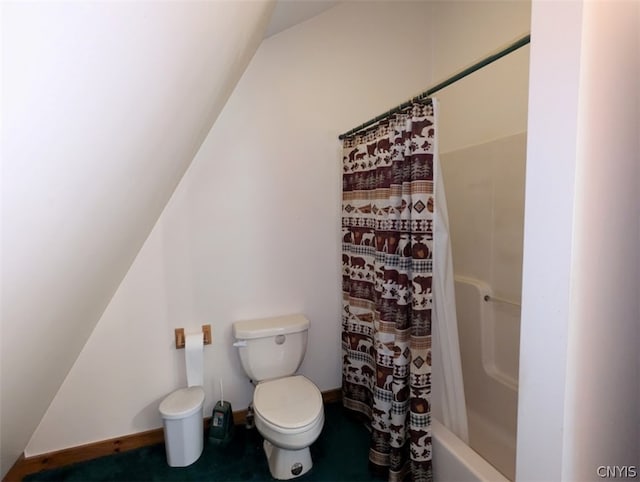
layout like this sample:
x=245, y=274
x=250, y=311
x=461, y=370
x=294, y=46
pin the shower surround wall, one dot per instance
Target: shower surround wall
x=253, y=227
x=487, y=209
x=485, y=196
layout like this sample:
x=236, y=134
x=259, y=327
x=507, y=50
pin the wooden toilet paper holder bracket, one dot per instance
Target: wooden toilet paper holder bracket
x=180, y=339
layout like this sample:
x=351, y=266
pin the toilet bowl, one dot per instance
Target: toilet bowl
x=290, y=416
x=182, y=416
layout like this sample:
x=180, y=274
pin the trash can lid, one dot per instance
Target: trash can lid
x=182, y=403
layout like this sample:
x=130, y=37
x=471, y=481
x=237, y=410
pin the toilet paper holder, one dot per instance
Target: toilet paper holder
x=180, y=340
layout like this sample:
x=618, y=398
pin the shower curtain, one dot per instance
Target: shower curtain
x=397, y=284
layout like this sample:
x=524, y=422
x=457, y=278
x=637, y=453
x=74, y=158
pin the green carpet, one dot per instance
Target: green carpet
x=339, y=454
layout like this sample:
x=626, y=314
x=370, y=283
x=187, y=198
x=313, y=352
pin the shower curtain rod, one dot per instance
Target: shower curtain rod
x=454, y=78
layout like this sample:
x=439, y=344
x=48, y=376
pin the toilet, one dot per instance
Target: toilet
x=287, y=407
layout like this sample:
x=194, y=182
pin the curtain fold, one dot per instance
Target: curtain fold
x=388, y=215
x=449, y=404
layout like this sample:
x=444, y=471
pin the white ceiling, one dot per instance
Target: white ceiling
x=290, y=12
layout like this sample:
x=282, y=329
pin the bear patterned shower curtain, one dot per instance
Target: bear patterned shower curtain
x=388, y=218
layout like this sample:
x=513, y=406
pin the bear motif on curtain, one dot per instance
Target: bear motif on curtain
x=388, y=207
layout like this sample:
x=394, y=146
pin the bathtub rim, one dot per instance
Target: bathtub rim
x=475, y=467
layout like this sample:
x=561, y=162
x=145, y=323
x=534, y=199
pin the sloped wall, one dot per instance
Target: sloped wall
x=253, y=228
x=104, y=107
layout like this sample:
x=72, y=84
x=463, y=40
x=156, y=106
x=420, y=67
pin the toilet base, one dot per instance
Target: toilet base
x=287, y=464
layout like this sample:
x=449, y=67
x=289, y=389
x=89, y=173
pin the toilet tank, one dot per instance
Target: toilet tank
x=271, y=347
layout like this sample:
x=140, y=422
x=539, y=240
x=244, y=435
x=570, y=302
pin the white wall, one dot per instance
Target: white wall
x=604, y=331
x=104, y=107
x=492, y=102
x=579, y=398
x=484, y=180
x=253, y=228
x=550, y=178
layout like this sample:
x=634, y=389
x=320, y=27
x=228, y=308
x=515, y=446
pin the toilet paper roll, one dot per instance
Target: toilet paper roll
x=193, y=357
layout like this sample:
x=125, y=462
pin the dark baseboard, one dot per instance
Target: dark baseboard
x=29, y=465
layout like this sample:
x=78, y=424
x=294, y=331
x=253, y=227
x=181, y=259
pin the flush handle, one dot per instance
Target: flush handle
x=280, y=339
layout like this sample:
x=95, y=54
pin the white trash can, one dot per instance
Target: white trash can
x=182, y=418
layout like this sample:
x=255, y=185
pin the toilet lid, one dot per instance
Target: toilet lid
x=182, y=403
x=289, y=402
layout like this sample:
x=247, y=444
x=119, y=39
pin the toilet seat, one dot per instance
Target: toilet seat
x=291, y=437
x=288, y=405
x=182, y=403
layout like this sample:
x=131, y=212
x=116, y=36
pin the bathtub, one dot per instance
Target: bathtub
x=489, y=331
x=455, y=461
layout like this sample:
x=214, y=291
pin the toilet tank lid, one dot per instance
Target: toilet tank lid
x=264, y=327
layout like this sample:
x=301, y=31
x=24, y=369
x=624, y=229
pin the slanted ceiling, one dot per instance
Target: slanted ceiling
x=104, y=107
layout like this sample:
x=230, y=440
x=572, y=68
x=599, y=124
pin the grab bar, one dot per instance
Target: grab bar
x=495, y=299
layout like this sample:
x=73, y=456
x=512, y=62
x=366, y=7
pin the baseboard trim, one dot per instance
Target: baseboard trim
x=29, y=465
